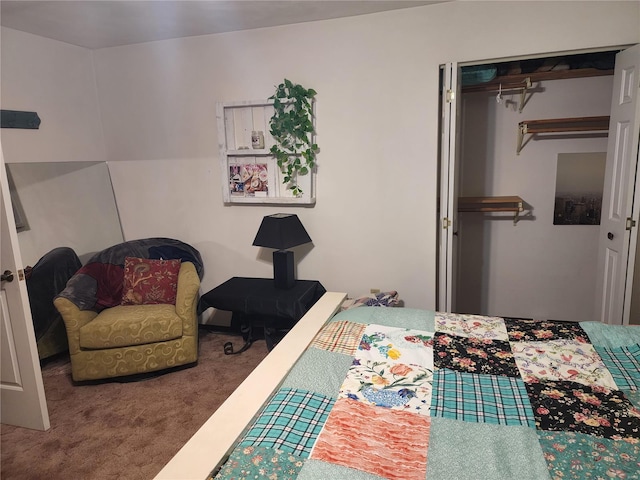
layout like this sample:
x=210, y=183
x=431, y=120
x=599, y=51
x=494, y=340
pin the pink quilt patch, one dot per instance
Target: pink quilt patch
x=389, y=443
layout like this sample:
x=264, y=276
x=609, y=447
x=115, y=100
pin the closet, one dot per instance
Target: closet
x=519, y=123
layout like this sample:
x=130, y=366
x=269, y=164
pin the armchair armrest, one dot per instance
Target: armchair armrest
x=187, y=297
x=74, y=319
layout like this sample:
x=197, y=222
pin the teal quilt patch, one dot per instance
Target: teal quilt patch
x=624, y=365
x=319, y=371
x=291, y=421
x=614, y=336
x=260, y=462
x=318, y=470
x=390, y=317
x=473, y=451
x=575, y=456
x=480, y=398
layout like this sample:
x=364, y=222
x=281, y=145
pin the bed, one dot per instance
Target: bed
x=401, y=393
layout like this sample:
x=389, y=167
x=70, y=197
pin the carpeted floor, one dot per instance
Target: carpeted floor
x=118, y=430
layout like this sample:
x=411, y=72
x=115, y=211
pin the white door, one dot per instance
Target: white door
x=448, y=203
x=617, y=240
x=22, y=395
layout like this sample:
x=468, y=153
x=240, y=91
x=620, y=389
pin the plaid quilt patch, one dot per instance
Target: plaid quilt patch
x=480, y=398
x=339, y=337
x=624, y=365
x=291, y=422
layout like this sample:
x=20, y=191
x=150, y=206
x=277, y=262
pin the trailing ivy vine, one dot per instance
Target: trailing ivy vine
x=292, y=128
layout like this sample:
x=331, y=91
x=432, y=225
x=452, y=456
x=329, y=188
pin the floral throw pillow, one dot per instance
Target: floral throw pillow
x=149, y=282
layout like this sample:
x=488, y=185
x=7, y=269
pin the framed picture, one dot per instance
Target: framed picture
x=249, y=180
x=579, y=187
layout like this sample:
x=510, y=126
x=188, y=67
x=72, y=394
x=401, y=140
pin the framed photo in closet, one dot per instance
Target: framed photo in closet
x=579, y=187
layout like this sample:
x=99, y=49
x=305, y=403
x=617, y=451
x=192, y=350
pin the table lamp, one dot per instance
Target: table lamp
x=282, y=231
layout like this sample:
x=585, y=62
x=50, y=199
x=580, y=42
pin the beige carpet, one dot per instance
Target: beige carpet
x=124, y=430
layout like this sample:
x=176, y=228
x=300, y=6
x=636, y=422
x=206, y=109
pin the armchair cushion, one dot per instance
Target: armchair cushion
x=123, y=326
x=148, y=282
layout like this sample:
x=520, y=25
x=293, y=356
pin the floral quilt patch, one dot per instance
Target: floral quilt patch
x=476, y=326
x=541, y=331
x=568, y=360
x=570, y=406
x=398, y=386
x=474, y=355
x=575, y=456
x=392, y=344
x=393, y=368
x=261, y=462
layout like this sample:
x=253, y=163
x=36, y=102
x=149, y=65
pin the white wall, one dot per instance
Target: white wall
x=374, y=224
x=57, y=81
x=535, y=268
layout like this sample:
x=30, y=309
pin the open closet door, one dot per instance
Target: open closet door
x=617, y=239
x=448, y=188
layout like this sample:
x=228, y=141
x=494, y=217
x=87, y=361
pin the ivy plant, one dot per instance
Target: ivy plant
x=292, y=128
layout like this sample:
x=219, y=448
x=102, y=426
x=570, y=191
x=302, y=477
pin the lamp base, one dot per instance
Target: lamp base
x=283, y=270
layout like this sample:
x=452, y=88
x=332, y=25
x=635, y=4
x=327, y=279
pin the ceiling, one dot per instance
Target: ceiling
x=98, y=24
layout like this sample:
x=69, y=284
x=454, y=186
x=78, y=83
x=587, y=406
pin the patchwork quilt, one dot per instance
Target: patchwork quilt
x=399, y=393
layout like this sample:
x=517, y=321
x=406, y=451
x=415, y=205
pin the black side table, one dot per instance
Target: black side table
x=256, y=302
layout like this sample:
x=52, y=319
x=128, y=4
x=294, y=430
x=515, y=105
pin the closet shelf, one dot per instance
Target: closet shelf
x=524, y=81
x=520, y=78
x=561, y=125
x=492, y=204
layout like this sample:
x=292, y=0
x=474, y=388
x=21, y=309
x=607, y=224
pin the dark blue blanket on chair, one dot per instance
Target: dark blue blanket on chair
x=98, y=284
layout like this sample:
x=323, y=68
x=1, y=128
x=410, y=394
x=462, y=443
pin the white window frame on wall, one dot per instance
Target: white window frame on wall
x=236, y=122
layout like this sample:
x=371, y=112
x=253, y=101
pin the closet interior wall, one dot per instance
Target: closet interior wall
x=533, y=268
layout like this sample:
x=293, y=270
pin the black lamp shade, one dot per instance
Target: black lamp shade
x=282, y=231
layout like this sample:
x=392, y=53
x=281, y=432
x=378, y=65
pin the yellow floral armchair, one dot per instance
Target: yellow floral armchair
x=107, y=339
